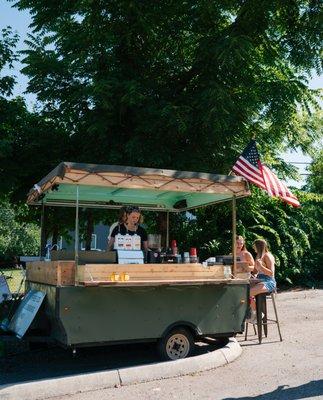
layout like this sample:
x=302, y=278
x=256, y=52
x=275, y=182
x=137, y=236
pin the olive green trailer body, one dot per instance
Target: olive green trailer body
x=81, y=315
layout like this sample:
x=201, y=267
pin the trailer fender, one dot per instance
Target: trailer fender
x=195, y=330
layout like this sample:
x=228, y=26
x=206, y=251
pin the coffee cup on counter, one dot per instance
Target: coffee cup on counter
x=186, y=257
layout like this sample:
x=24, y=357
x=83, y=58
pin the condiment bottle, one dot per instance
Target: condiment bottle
x=193, y=255
x=174, y=247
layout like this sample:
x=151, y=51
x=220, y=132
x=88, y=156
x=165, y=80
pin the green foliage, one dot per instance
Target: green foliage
x=16, y=238
x=29, y=144
x=171, y=84
x=315, y=179
x=294, y=235
x=149, y=83
x=8, y=41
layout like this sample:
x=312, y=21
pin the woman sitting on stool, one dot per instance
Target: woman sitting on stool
x=265, y=270
x=243, y=253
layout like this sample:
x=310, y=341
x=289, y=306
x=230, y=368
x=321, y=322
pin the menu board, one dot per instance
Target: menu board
x=5, y=293
x=26, y=312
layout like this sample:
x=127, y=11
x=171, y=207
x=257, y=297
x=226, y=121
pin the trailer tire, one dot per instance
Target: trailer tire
x=176, y=344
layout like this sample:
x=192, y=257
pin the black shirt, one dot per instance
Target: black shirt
x=122, y=229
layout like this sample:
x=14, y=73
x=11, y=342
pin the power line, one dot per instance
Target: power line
x=298, y=162
x=313, y=174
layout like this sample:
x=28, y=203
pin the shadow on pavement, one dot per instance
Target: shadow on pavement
x=52, y=362
x=311, y=389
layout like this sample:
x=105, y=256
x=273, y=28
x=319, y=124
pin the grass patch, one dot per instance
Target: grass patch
x=13, y=277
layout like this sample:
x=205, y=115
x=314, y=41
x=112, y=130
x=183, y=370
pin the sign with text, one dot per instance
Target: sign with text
x=26, y=312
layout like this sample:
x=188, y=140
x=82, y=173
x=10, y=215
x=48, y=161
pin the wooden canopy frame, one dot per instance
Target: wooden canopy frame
x=112, y=186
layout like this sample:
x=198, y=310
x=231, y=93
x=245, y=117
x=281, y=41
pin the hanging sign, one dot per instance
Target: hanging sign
x=5, y=293
x=26, y=312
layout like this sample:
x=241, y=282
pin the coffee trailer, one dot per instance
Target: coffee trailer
x=90, y=299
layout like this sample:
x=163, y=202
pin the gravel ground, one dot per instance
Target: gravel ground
x=288, y=370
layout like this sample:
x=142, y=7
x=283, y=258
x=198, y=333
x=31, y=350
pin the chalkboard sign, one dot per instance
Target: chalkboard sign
x=26, y=312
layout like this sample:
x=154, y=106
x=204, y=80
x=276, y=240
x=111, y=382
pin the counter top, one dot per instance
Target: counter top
x=64, y=273
x=186, y=282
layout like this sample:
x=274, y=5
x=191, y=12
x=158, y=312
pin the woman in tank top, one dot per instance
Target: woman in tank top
x=243, y=253
x=265, y=269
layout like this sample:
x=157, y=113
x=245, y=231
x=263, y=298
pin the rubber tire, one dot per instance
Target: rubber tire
x=162, y=343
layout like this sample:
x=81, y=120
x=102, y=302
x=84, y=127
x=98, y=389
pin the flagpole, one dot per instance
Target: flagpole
x=234, y=234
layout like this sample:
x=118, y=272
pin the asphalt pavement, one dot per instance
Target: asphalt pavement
x=24, y=374
x=289, y=370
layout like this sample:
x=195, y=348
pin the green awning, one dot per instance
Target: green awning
x=109, y=186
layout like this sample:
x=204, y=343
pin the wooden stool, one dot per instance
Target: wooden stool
x=262, y=315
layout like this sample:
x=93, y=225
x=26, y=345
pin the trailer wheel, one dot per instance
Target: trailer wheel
x=177, y=344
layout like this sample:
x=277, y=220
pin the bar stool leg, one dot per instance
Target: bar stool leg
x=246, y=330
x=276, y=315
x=264, y=319
x=259, y=318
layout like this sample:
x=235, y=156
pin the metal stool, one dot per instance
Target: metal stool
x=262, y=315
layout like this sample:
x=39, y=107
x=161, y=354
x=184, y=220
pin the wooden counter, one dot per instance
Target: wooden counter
x=57, y=273
x=63, y=273
x=131, y=273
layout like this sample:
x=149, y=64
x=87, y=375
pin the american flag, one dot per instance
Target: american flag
x=249, y=166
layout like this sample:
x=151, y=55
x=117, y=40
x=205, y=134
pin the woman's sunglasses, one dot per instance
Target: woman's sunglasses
x=131, y=209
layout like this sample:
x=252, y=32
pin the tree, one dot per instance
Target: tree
x=177, y=84
x=313, y=259
x=315, y=179
x=8, y=56
x=180, y=84
x=16, y=238
x=30, y=146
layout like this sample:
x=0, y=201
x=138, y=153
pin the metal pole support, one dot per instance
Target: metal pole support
x=234, y=234
x=76, y=242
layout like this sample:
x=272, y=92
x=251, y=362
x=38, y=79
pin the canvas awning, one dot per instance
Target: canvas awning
x=111, y=186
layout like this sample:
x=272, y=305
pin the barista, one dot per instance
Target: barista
x=131, y=227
